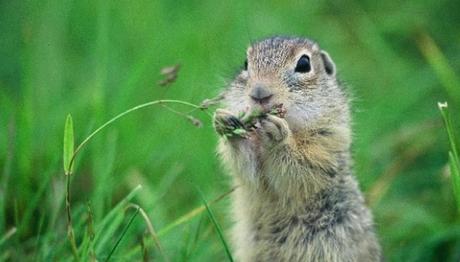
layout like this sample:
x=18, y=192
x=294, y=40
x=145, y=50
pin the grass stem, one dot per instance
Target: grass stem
x=151, y=230
x=151, y=103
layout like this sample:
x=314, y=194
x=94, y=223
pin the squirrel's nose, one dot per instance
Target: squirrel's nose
x=260, y=94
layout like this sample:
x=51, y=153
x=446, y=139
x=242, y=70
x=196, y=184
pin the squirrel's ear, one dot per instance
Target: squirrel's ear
x=329, y=65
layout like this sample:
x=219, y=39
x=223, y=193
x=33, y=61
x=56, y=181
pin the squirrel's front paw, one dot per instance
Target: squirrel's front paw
x=225, y=123
x=273, y=130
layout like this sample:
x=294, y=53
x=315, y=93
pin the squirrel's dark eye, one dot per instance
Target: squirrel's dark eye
x=246, y=64
x=303, y=65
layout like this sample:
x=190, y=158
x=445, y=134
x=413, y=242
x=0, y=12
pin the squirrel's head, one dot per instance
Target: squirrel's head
x=294, y=72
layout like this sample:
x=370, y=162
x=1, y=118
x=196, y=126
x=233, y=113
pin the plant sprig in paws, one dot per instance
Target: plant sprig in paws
x=246, y=121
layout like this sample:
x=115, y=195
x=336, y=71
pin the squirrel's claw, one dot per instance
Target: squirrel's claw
x=225, y=123
x=273, y=129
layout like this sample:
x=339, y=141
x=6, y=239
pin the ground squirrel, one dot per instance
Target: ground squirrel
x=296, y=197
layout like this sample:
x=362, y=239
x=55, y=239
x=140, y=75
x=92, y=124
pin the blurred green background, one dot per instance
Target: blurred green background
x=95, y=59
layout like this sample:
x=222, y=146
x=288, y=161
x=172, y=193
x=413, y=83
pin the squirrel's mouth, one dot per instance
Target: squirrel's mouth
x=265, y=106
x=277, y=109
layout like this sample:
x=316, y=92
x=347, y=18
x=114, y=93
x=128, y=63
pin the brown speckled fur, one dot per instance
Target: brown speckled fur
x=297, y=199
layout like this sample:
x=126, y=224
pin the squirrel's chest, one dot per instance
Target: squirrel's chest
x=275, y=235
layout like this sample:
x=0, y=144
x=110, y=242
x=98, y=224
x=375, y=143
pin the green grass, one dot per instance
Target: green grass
x=95, y=60
x=218, y=228
x=454, y=161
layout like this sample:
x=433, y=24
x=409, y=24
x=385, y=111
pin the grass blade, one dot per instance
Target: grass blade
x=450, y=130
x=68, y=153
x=191, y=214
x=8, y=234
x=217, y=227
x=123, y=234
x=454, y=162
x=68, y=144
x=440, y=65
x=104, y=226
x=455, y=174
